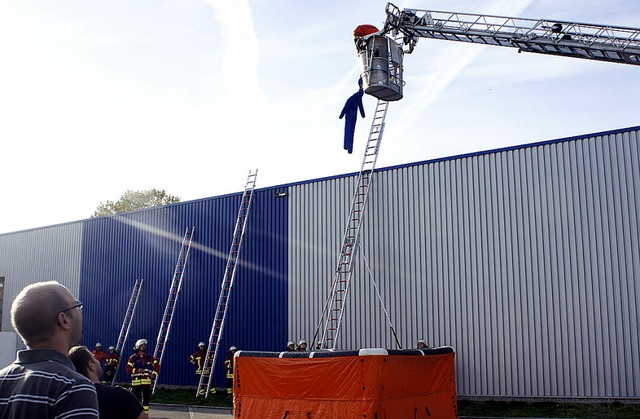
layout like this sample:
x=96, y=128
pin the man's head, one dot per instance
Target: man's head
x=111, y=349
x=202, y=346
x=86, y=363
x=98, y=347
x=46, y=314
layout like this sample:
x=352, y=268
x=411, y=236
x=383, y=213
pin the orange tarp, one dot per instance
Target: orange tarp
x=371, y=386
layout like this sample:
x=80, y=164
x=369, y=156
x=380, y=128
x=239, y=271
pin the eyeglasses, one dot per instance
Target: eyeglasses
x=78, y=306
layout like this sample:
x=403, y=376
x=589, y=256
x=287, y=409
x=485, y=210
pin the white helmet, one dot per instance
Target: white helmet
x=98, y=345
x=301, y=342
x=290, y=343
x=201, y=344
x=233, y=348
x=111, y=347
x=140, y=342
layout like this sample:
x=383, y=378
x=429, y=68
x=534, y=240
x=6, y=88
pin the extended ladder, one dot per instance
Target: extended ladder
x=333, y=309
x=126, y=323
x=225, y=288
x=544, y=36
x=174, y=290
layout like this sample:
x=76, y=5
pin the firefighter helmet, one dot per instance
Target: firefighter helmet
x=98, y=345
x=233, y=348
x=201, y=344
x=140, y=342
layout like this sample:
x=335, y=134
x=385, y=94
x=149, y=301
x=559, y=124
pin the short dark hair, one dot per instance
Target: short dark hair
x=80, y=356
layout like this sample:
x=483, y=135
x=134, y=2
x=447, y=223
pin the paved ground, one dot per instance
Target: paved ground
x=188, y=412
x=195, y=412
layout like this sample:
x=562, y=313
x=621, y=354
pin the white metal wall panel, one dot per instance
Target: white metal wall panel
x=46, y=254
x=524, y=260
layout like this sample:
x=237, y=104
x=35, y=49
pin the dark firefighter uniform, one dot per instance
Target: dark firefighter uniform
x=197, y=358
x=229, y=364
x=111, y=365
x=99, y=353
x=143, y=368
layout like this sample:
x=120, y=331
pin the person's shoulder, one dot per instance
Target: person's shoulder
x=114, y=392
x=105, y=387
x=9, y=367
x=112, y=389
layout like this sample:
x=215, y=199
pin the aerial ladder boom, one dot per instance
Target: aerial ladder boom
x=544, y=36
x=381, y=53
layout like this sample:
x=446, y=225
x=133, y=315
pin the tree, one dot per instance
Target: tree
x=134, y=200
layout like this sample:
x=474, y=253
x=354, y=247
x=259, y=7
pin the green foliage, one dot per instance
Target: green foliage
x=135, y=200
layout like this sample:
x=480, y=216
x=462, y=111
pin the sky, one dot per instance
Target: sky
x=97, y=97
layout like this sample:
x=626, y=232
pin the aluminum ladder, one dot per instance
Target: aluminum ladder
x=174, y=291
x=204, y=386
x=126, y=323
x=334, y=306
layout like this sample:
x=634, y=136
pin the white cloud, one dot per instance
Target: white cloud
x=240, y=60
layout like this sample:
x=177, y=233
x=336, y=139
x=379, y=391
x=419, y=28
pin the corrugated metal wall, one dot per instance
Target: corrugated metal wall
x=99, y=260
x=146, y=244
x=525, y=260
x=46, y=254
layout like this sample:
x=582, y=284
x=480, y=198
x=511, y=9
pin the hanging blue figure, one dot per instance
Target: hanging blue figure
x=350, y=110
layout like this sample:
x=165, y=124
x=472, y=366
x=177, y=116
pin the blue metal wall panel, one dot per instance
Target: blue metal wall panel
x=145, y=244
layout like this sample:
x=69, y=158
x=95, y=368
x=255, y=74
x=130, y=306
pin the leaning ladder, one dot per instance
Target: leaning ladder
x=174, y=290
x=126, y=323
x=334, y=306
x=225, y=288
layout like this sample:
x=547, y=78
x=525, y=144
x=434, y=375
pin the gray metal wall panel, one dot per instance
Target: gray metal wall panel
x=525, y=260
x=45, y=254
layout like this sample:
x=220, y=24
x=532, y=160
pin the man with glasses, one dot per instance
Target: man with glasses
x=114, y=402
x=42, y=381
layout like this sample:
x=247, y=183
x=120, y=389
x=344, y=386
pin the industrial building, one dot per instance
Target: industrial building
x=525, y=260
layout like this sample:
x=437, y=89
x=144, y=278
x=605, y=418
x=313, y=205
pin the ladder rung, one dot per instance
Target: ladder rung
x=343, y=271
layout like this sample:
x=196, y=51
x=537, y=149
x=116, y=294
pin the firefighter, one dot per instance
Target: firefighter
x=302, y=346
x=422, y=344
x=229, y=364
x=197, y=358
x=110, y=365
x=144, y=369
x=291, y=346
x=99, y=354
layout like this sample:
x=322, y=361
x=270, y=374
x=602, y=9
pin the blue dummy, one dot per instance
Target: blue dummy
x=350, y=110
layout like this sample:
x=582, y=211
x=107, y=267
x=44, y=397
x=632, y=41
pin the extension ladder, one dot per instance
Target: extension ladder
x=334, y=306
x=204, y=386
x=174, y=290
x=126, y=323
